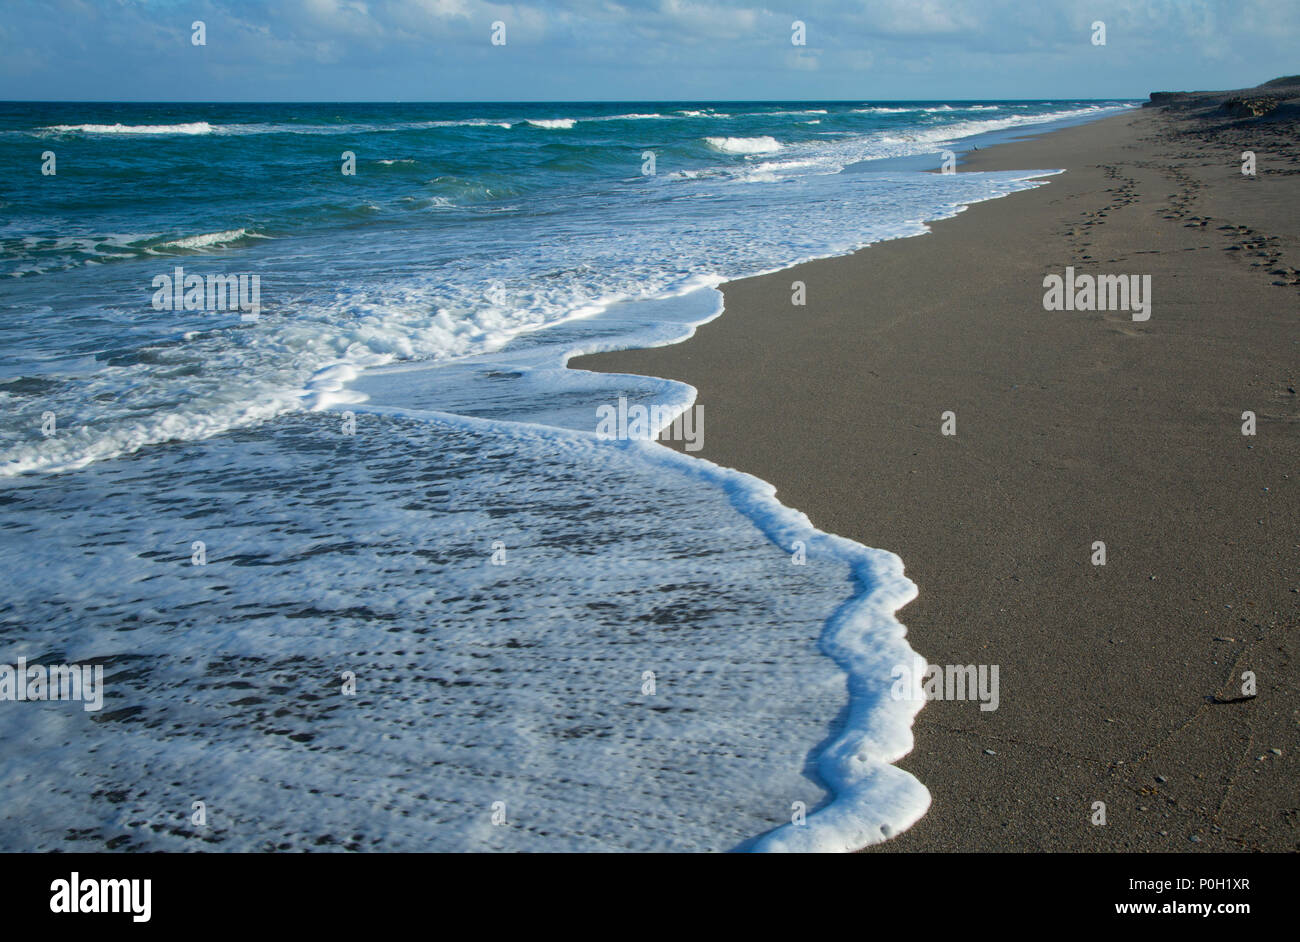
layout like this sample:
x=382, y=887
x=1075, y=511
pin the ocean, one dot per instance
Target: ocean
x=359, y=568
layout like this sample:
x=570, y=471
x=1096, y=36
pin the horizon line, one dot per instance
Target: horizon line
x=523, y=101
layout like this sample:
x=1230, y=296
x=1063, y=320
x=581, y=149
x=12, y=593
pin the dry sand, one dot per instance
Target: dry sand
x=1072, y=427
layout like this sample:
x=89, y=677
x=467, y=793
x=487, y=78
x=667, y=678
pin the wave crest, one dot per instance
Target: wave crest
x=208, y=239
x=744, y=145
x=192, y=127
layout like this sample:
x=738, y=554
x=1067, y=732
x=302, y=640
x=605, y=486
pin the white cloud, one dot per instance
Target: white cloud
x=613, y=48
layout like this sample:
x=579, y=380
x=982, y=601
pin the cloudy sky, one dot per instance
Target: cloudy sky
x=440, y=50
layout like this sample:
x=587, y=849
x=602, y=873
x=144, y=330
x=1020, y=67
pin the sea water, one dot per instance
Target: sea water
x=359, y=570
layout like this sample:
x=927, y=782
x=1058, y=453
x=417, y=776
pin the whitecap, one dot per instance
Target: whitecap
x=744, y=145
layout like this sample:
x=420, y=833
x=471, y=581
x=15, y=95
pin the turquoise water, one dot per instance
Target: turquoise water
x=462, y=226
x=498, y=579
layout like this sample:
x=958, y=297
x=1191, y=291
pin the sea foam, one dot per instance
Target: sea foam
x=744, y=145
x=209, y=239
x=445, y=335
x=192, y=127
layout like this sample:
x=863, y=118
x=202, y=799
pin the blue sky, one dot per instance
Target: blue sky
x=434, y=50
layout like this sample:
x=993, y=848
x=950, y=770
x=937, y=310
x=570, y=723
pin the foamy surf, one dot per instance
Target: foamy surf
x=869, y=799
x=744, y=145
x=209, y=239
x=191, y=127
x=442, y=327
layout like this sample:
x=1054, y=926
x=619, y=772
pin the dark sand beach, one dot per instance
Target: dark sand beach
x=1119, y=683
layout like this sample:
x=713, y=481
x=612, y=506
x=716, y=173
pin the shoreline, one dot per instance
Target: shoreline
x=1072, y=427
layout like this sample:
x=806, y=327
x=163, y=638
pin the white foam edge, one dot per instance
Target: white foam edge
x=871, y=799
